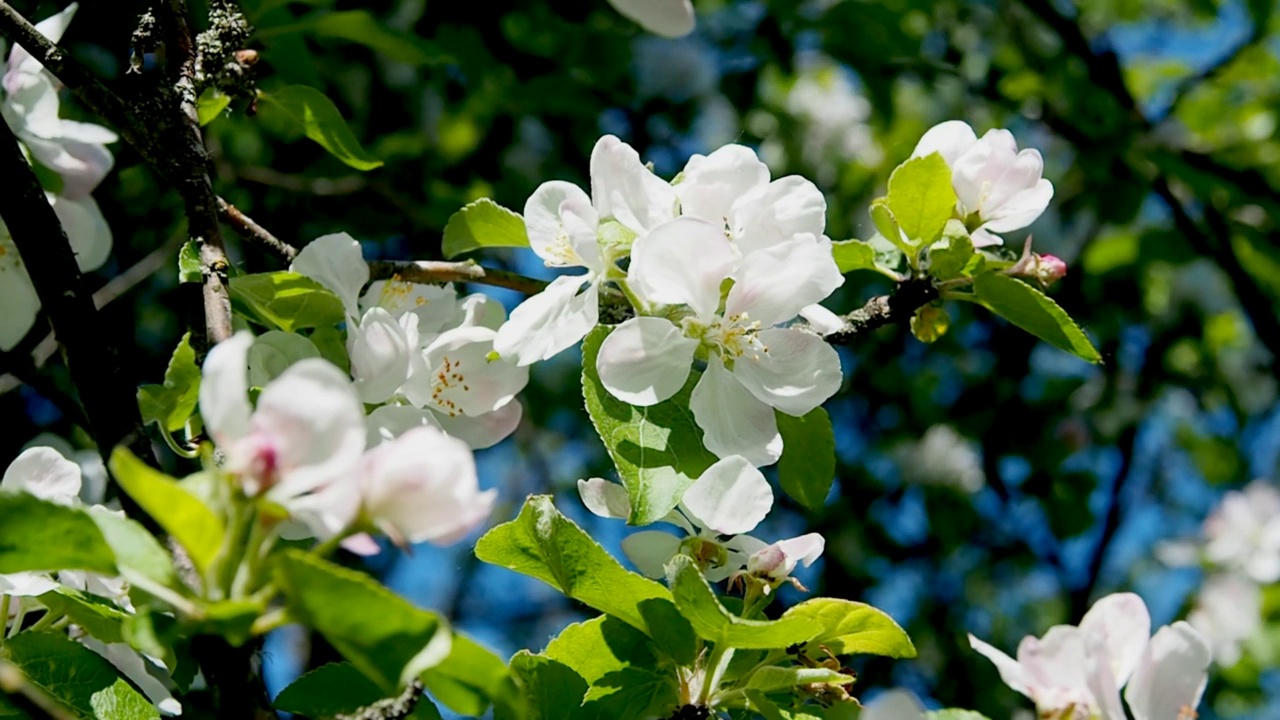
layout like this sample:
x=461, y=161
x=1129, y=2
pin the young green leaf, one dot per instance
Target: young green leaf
x=850, y=628
x=768, y=710
x=97, y=616
x=698, y=604
x=930, y=323
x=1033, y=311
x=180, y=513
x=470, y=678
x=921, y=197
x=853, y=255
x=949, y=261
x=138, y=554
x=210, y=105
x=77, y=677
x=320, y=121
x=286, y=301
x=189, y=267
x=273, y=352
x=658, y=449
x=550, y=690
x=808, y=463
x=620, y=666
x=546, y=545
x=40, y=535
x=481, y=224
x=327, y=691
x=383, y=635
x=170, y=405
x=772, y=678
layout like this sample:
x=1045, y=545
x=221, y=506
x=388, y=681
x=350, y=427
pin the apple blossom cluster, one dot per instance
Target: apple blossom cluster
x=723, y=223
x=998, y=187
x=1240, y=553
x=1077, y=672
x=716, y=512
x=306, y=446
x=418, y=351
x=44, y=473
x=75, y=158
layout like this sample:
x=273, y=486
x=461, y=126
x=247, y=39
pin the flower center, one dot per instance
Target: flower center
x=447, y=385
x=562, y=252
x=729, y=337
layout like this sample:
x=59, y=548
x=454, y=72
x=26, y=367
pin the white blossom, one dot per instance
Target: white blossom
x=895, y=704
x=669, y=18
x=753, y=366
x=1075, y=673
x=1243, y=533
x=1227, y=613
x=998, y=188
x=564, y=226
x=730, y=499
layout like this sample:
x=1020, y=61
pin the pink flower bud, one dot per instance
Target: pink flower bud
x=1049, y=269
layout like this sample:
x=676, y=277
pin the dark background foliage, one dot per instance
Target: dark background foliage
x=1047, y=483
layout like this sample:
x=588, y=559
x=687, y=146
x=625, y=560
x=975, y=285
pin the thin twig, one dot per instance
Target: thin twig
x=186, y=141
x=1110, y=524
x=432, y=271
x=92, y=356
x=894, y=308
x=247, y=228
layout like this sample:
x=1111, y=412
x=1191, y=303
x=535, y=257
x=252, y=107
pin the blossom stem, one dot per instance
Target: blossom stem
x=641, y=307
x=18, y=617
x=46, y=620
x=270, y=621
x=717, y=663
x=176, y=448
x=4, y=610
x=180, y=603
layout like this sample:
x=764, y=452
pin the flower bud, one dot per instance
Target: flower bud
x=1049, y=269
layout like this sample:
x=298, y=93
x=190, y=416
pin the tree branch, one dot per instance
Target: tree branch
x=91, y=353
x=186, y=143
x=248, y=229
x=432, y=271
x=894, y=308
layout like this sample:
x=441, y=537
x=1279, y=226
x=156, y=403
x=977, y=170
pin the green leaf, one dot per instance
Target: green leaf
x=1033, y=311
x=481, y=224
x=327, y=691
x=954, y=714
x=189, y=268
x=851, y=628
x=170, y=405
x=808, y=463
x=39, y=535
x=713, y=623
x=138, y=554
x=286, y=301
x=95, y=615
x=546, y=545
x=772, y=678
x=760, y=703
x=950, y=260
x=319, y=120
x=470, y=678
x=550, y=689
x=853, y=255
x=930, y=323
x=383, y=635
x=658, y=449
x=273, y=352
x=332, y=344
x=626, y=678
x=180, y=513
x=921, y=197
x=361, y=27
x=211, y=104
x=77, y=677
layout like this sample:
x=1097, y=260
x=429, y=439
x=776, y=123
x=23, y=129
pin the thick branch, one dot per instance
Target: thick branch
x=91, y=354
x=430, y=271
x=892, y=309
x=185, y=141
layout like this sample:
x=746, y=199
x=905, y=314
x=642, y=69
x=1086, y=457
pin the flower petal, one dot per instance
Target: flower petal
x=710, y=185
x=1122, y=623
x=480, y=310
x=86, y=229
x=622, y=187
x=391, y=421
x=684, y=262
x=549, y=322
x=25, y=584
x=951, y=139
x=796, y=374
x=562, y=226
x=1011, y=672
x=778, y=212
x=730, y=497
x=224, y=389
x=1021, y=209
x=380, y=349
x=51, y=27
x=645, y=360
x=17, y=295
x=604, y=498
x=773, y=285
x=650, y=551
x=821, y=319
x=1171, y=676
x=896, y=704
x=733, y=421
x=434, y=305
x=484, y=430
x=336, y=262
x=668, y=18
x=43, y=472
